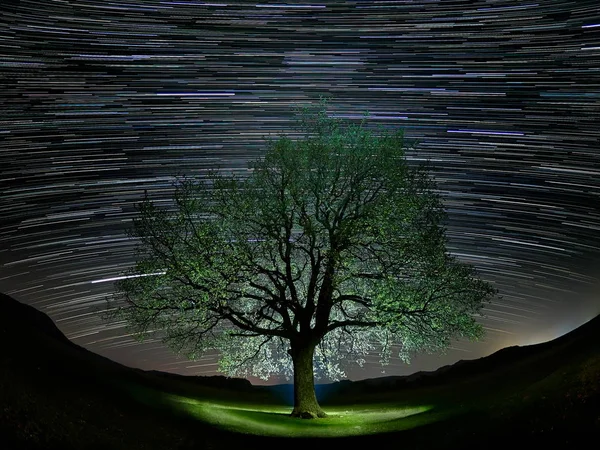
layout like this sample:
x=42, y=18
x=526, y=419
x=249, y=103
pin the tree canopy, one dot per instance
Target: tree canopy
x=333, y=241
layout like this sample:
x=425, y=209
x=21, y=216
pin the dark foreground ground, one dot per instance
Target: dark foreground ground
x=56, y=395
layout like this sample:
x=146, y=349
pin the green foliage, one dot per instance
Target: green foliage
x=332, y=239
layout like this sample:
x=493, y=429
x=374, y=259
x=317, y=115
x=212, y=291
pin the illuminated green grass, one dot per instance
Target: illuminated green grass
x=275, y=420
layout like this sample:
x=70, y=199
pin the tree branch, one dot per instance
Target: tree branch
x=350, y=323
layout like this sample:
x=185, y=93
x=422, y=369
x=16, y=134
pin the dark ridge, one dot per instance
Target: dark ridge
x=56, y=395
x=27, y=331
x=33, y=346
x=217, y=381
x=16, y=314
x=580, y=340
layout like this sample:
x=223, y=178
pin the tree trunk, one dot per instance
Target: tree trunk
x=305, y=400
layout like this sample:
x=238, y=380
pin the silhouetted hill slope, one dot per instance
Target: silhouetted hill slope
x=34, y=340
x=55, y=394
x=583, y=340
x=215, y=381
x=16, y=316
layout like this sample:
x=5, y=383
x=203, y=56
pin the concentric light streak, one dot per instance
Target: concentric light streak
x=102, y=100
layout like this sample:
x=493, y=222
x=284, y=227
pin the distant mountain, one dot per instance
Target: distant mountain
x=582, y=340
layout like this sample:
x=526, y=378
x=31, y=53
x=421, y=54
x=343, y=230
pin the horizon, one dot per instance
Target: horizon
x=320, y=384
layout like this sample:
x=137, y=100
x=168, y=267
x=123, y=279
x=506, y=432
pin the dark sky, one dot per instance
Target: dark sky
x=102, y=100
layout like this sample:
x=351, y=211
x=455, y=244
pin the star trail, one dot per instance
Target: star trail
x=102, y=100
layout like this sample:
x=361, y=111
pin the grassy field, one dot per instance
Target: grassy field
x=275, y=420
x=533, y=399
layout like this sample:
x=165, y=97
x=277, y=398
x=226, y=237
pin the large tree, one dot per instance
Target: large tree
x=328, y=248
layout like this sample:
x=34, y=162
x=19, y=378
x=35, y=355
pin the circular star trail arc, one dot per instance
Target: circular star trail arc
x=105, y=99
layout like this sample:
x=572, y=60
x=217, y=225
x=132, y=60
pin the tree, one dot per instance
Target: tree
x=330, y=247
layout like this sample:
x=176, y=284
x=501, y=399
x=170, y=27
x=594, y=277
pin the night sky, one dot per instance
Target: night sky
x=102, y=100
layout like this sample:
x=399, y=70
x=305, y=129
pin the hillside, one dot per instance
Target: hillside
x=579, y=343
x=57, y=395
x=52, y=390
